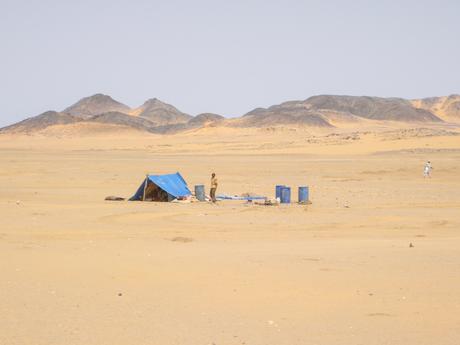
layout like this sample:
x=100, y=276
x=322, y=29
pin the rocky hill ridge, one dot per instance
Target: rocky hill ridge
x=324, y=111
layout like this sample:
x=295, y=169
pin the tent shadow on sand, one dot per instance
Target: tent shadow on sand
x=162, y=188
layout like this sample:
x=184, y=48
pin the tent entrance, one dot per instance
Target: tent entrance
x=155, y=193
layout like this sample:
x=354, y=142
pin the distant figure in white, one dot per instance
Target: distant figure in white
x=427, y=169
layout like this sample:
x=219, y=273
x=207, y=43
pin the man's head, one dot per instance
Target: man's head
x=213, y=175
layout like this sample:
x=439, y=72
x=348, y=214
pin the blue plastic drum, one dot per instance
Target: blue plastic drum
x=286, y=195
x=303, y=194
x=278, y=191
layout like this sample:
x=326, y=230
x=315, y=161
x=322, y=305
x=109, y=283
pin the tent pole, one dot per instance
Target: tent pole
x=145, y=186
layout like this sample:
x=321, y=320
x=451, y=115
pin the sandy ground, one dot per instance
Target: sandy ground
x=76, y=269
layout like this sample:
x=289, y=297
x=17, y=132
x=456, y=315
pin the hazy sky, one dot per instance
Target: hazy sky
x=226, y=57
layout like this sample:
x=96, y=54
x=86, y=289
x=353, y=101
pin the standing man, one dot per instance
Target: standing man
x=427, y=169
x=213, y=187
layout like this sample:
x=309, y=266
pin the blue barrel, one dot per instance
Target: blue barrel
x=199, y=192
x=286, y=195
x=303, y=194
x=278, y=191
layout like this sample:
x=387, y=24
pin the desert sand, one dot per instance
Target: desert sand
x=76, y=269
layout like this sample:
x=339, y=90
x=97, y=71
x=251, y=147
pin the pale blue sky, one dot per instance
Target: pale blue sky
x=226, y=57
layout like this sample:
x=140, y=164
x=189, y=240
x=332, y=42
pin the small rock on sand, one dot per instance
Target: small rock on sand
x=182, y=239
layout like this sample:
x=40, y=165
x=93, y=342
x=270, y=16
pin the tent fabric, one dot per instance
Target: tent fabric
x=173, y=184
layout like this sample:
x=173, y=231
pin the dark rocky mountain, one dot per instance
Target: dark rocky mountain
x=374, y=108
x=199, y=121
x=39, y=122
x=317, y=111
x=52, y=118
x=161, y=113
x=280, y=115
x=121, y=119
x=103, y=109
x=205, y=119
x=95, y=105
x=325, y=110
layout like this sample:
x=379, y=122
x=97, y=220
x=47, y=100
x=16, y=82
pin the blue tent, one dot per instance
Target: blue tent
x=162, y=188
